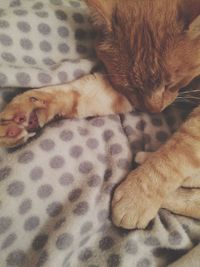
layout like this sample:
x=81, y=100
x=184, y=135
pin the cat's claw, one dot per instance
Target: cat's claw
x=132, y=206
x=21, y=118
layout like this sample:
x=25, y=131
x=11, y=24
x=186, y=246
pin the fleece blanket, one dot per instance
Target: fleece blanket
x=55, y=191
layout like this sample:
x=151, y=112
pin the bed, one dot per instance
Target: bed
x=55, y=190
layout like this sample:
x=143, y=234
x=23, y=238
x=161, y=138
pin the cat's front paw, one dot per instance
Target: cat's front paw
x=22, y=117
x=134, y=203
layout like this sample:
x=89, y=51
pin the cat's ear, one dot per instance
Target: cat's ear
x=101, y=12
x=189, y=10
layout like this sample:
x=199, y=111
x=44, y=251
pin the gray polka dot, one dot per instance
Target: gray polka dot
x=102, y=158
x=107, y=135
x=131, y=247
x=31, y=223
x=4, y=24
x=3, y=79
x=15, y=3
x=92, y=143
x=78, y=73
x=48, y=61
x=62, y=76
x=61, y=15
x=107, y=174
x=80, y=34
x=78, y=18
x=74, y=3
x=57, y=162
x=23, y=78
x=26, y=44
x=42, y=14
x=175, y=238
x=16, y=258
x=44, y=78
x=74, y=195
x=63, y=31
x=129, y=130
x=39, y=241
x=38, y=5
x=113, y=260
x=97, y=122
x=81, y=49
x=85, y=167
x=29, y=60
x=36, y=173
x=76, y=151
x=156, y=121
x=56, y=2
x=26, y=157
x=143, y=263
x=115, y=149
x=5, y=40
x=5, y=223
x=42, y=259
x=54, y=209
x=106, y=243
x=63, y=48
x=66, y=135
x=66, y=179
x=47, y=144
x=64, y=241
x=141, y=125
x=162, y=136
x=15, y=189
x=5, y=172
x=20, y=12
x=109, y=188
x=85, y=254
x=23, y=26
x=123, y=164
x=152, y=241
x=94, y=181
x=86, y=227
x=44, y=29
x=83, y=131
x=44, y=191
x=81, y=208
x=9, y=240
x=25, y=206
x=45, y=46
x=8, y=57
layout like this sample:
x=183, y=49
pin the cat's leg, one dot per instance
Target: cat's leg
x=190, y=182
x=138, y=198
x=184, y=201
x=91, y=95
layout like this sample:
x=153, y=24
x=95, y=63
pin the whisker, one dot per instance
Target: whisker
x=190, y=91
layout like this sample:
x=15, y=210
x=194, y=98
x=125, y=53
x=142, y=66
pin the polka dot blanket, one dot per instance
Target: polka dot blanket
x=55, y=191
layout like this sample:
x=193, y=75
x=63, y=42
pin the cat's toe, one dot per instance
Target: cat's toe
x=131, y=206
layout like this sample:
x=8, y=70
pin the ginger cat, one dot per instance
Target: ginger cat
x=150, y=49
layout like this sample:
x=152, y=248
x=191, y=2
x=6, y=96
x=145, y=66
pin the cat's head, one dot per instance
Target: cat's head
x=150, y=48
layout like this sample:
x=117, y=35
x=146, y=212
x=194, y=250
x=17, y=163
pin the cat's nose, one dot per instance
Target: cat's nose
x=154, y=105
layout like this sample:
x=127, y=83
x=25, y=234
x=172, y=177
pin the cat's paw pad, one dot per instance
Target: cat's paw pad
x=22, y=117
x=131, y=208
